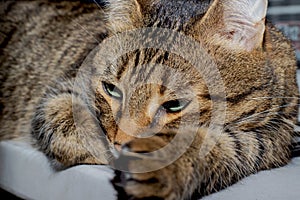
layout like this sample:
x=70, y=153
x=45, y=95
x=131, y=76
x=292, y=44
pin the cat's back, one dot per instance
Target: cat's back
x=40, y=40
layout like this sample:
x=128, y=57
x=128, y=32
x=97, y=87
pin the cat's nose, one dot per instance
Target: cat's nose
x=118, y=147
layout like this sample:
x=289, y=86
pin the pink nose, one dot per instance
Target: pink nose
x=118, y=147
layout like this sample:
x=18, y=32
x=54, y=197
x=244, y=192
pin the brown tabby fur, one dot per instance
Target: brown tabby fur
x=43, y=44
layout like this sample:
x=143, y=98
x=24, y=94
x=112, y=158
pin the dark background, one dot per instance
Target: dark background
x=285, y=14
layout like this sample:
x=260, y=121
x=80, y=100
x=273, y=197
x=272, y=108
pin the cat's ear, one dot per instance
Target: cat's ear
x=126, y=14
x=237, y=24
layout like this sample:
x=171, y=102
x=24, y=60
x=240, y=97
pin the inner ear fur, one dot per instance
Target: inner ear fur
x=234, y=24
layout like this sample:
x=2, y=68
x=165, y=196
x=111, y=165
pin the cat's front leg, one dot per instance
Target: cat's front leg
x=212, y=162
x=65, y=130
x=148, y=178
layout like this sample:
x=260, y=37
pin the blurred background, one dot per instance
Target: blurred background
x=285, y=14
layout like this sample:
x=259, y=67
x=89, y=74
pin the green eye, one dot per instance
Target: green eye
x=175, y=105
x=112, y=90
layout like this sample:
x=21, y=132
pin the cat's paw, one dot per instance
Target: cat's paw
x=142, y=175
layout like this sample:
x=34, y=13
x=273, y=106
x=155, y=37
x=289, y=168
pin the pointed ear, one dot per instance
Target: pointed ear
x=125, y=14
x=237, y=24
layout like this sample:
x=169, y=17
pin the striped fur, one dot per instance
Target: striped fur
x=38, y=41
x=43, y=45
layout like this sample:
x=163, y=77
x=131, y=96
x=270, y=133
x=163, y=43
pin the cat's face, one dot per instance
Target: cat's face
x=148, y=91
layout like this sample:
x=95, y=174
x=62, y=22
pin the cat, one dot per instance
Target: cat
x=75, y=105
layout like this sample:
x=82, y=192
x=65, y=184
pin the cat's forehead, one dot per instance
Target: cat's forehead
x=150, y=66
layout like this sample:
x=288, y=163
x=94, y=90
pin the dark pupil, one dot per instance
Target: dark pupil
x=110, y=87
x=171, y=104
x=112, y=90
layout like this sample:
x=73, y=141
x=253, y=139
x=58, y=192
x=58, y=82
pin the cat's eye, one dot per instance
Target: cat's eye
x=112, y=90
x=175, y=105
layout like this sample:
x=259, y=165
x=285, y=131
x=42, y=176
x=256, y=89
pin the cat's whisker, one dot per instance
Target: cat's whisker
x=272, y=97
x=88, y=32
x=246, y=119
x=99, y=6
x=113, y=29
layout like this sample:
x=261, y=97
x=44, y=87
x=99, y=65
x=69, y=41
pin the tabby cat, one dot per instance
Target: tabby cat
x=78, y=107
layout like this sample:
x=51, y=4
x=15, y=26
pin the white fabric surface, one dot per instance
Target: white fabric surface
x=26, y=172
x=276, y=184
